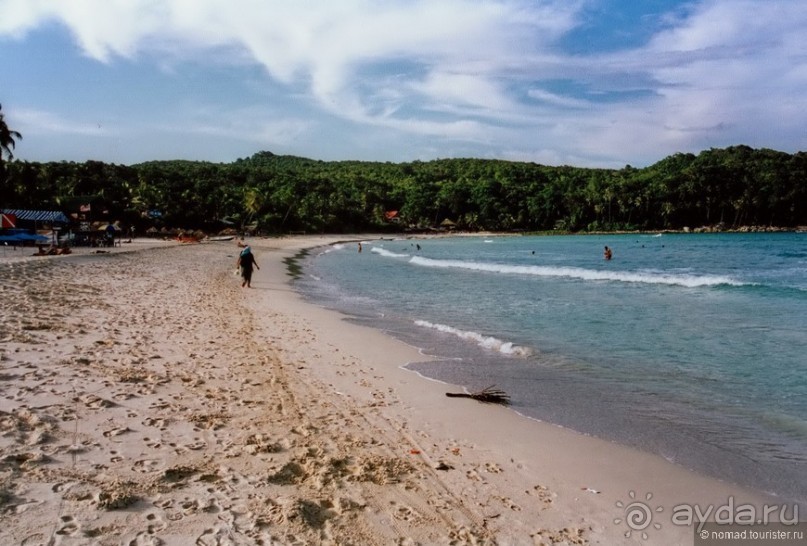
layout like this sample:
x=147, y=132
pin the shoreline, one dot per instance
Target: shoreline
x=692, y=487
x=148, y=397
x=619, y=420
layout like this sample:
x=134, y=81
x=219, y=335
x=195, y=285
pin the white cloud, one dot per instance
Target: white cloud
x=728, y=72
x=462, y=89
x=557, y=100
x=263, y=130
x=475, y=72
x=37, y=122
x=753, y=70
x=323, y=41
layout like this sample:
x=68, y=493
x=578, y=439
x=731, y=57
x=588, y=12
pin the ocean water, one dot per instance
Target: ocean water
x=690, y=346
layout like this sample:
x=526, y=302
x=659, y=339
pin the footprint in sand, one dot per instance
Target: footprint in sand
x=189, y=506
x=156, y=524
x=405, y=513
x=493, y=468
x=212, y=507
x=164, y=503
x=69, y=528
x=96, y=402
x=159, y=423
x=196, y=446
x=214, y=537
x=544, y=495
x=143, y=538
x=567, y=535
x=146, y=465
x=508, y=502
x=117, y=431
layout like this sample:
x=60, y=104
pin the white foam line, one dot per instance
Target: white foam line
x=386, y=253
x=690, y=281
x=487, y=342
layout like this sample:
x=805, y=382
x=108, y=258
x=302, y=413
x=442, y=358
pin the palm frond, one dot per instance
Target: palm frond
x=489, y=395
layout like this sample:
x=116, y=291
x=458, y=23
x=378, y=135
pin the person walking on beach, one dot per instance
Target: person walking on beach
x=246, y=260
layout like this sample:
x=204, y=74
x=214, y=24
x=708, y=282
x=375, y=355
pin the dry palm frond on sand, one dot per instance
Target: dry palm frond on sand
x=489, y=395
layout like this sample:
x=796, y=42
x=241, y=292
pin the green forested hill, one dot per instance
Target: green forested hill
x=733, y=186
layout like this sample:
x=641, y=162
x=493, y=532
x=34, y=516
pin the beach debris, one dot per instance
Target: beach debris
x=414, y=451
x=590, y=490
x=488, y=395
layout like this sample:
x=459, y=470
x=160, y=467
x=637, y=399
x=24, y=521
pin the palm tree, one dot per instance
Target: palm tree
x=7, y=138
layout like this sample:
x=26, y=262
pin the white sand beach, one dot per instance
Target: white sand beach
x=147, y=399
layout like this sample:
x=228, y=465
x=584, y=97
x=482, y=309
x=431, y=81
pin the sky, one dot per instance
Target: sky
x=588, y=83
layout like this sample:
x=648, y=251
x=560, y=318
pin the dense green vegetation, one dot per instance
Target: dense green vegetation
x=733, y=186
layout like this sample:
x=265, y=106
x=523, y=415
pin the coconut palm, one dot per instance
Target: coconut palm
x=7, y=138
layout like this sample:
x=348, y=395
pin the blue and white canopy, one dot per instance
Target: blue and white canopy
x=50, y=216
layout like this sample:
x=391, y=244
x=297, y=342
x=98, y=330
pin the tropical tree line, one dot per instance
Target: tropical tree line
x=731, y=187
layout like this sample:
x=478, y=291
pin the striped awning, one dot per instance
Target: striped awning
x=51, y=216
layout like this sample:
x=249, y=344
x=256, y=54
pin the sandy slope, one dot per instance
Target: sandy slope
x=145, y=398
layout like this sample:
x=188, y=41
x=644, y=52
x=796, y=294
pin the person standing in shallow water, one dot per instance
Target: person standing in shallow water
x=607, y=254
x=246, y=260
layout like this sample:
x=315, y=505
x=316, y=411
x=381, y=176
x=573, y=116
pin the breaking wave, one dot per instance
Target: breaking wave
x=487, y=342
x=386, y=253
x=648, y=277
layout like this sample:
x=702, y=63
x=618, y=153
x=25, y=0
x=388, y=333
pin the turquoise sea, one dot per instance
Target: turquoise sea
x=691, y=346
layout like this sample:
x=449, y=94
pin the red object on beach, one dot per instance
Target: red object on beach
x=8, y=221
x=414, y=451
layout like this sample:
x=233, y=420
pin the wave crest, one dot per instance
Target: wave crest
x=649, y=277
x=487, y=342
x=386, y=253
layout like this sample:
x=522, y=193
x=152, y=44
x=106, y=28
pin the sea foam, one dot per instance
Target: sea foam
x=648, y=277
x=386, y=253
x=487, y=342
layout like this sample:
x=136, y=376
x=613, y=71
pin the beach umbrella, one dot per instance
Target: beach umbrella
x=31, y=237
